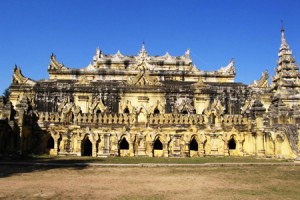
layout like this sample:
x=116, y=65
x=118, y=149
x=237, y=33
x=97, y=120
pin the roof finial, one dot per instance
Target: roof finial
x=283, y=41
x=284, y=47
x=143, y=46
x=282, y=26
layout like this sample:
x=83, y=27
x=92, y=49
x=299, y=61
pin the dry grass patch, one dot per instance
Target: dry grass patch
x=250, y=182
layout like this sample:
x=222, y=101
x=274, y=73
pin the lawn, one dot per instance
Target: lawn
x=137, y=160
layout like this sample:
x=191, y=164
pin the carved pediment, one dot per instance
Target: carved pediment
x=127, y=104
x=54, y=64
x=229, y=69
x=97, y=105
x=83, y=80
x=216, y=107
x=18, y=78
x=262, y=82
x=200, y=83
x=143, y=78
x=158, y=105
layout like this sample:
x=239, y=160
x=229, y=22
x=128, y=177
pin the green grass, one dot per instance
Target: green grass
x=137, y=160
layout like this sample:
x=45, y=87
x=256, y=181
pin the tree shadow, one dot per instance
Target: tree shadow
x=11, y=165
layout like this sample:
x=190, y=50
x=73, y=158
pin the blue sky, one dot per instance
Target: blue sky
x=215, y=31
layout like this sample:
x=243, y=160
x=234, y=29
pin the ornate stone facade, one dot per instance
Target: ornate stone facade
x=153, y=106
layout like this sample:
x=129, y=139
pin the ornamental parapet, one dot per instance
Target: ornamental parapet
x=131, y=119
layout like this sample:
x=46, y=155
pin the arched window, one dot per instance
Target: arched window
x=124, y=145
x=156, y=111
x=126, y=110
x=87, y=147
x=98, y=112
x=157, y=145
x=50, y=143
x=194, y=145
x=231, y=144
x=185, y=112
x=213, y=119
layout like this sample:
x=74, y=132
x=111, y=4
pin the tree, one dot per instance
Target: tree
x=6, y=95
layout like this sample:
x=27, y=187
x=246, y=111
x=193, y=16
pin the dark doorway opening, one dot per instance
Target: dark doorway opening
x=157, y=145
x=185, y=112
x=194, y=145
x=98, y=112
x=124, y=145
x=231, y=144
x=156, y=111
x=126, y=111
x=50, y=143
x=87, y=148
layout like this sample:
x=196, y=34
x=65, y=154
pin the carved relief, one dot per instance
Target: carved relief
x=143, y=77
x=97, y=106
x=183, y=105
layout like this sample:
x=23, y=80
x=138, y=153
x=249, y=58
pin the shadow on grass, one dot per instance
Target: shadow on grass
x=16, y=164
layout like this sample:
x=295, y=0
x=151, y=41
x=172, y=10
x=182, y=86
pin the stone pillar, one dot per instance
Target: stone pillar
x=260, y=147
x=176, y=148
x=201, y=149
x=226, y=151
x=131, y=149
x=141, y=151
x=165, y=149
x=55, y=145
x=106, y=147
x=78, y=147
x=94, y=149
x=214, y=144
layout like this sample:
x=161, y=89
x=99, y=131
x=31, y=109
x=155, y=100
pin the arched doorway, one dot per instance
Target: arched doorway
x=193, y=147
x=87, y=147
x=50, y=143
x=157, y=145
x=231, y=144
x=157, y=148
x=124, y=145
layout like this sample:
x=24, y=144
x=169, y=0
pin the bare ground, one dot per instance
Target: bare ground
x=248, y=182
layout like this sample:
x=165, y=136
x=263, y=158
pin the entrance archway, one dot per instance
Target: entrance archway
x=157, y=145
x=157, y=148
x=231, y=144
x=50, y=143
x=87, y=147
x=193, y=145
x=124, y=145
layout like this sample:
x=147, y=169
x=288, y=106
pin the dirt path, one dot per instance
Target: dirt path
x=259, y=182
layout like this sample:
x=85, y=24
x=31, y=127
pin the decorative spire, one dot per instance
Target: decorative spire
x=143, y=54
x=143, y=49
x=284, y=47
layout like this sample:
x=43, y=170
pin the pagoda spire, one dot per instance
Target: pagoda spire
x=286, y=72
x=284, y=47
x=143, y=54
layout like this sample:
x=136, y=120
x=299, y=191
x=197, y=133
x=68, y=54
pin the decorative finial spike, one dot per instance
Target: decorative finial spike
x=282, y=26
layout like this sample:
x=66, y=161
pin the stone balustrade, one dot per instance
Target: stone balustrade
x=129, y=119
